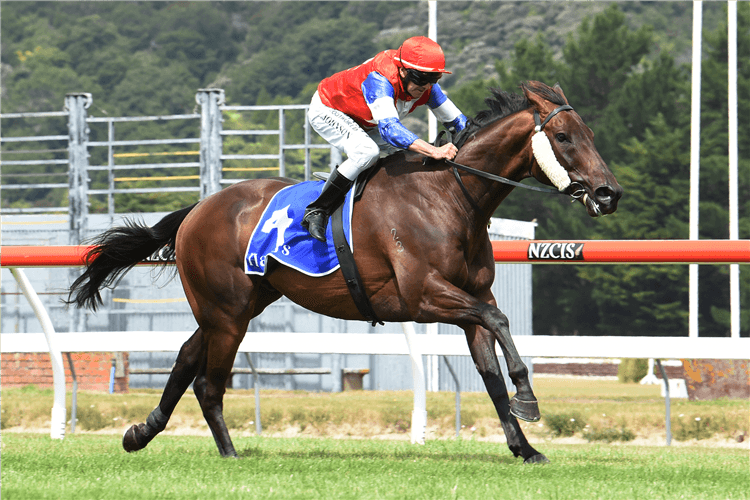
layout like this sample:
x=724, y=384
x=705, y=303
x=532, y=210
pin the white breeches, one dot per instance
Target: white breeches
x=362, y=149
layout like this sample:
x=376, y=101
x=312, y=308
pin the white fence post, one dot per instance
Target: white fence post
x=57, y=425
x=210, y=101
x=419, y=413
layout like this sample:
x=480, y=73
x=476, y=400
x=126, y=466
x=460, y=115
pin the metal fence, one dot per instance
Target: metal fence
x=94, y=167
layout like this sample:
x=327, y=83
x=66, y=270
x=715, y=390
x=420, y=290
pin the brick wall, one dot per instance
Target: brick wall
x=92, y=370
x=597, y=369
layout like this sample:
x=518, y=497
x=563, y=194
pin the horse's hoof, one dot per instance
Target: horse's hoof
x=525, y=410
x=133, y=439
x=536, y=459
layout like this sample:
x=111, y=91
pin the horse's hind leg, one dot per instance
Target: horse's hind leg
x=482, y=347
x=184, y=371
x=222, y=342
x=210, y=384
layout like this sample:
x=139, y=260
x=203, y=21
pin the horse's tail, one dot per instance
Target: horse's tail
x=117, y=250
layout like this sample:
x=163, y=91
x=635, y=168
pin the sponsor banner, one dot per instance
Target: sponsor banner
x=161, y=256
x=555, y=250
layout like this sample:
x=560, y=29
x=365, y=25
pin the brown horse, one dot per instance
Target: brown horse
x=441, y=271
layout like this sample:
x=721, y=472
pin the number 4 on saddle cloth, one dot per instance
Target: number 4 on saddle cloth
x=280, y=235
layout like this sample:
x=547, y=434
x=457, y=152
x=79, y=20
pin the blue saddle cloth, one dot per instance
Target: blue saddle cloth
x=280, y=235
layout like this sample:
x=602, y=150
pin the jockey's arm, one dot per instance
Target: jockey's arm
x=379, y=95
x=445, y=111
x=445, y=152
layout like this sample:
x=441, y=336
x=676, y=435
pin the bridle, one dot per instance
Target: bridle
x=575, y=190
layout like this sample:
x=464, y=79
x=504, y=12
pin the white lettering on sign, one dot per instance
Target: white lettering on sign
x=280, y=221
x=555, y=251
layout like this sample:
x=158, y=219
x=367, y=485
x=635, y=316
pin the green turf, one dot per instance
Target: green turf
x=95, y=467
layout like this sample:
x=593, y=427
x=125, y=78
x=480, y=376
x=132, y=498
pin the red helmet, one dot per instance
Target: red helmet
x=422, y=54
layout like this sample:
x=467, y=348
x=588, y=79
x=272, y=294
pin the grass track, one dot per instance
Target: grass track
x=95, y=467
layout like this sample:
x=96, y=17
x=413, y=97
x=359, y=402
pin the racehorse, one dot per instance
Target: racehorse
x=440, y=269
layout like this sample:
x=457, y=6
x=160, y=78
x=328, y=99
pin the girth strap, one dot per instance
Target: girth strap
x=349, y=268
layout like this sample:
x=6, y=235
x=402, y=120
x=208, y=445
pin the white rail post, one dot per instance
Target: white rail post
x=695, y=142
x=734, y=269
x=433, y=366
x=432, y=124
x=419, y=413
x=282, y=142
x=210, y=101
x=57, y=425
x=650, y=377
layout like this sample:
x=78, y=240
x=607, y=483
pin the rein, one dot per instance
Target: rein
x=576, y=193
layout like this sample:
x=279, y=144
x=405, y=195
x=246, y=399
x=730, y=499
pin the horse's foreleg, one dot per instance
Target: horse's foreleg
x=449, y=304
x=184, y=371
x=524, y=404
x=482, y=347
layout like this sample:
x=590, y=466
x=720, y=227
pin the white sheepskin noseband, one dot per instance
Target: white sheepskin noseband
x=544, y=155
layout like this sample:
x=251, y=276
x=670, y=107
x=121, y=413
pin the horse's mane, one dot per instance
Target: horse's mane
x=502, y=104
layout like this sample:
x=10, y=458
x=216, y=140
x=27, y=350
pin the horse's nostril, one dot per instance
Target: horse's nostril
x=604, y=194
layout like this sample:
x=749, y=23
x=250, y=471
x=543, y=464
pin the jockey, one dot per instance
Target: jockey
x=359, y=111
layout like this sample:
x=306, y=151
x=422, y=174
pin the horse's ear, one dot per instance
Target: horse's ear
x=535, y=93
x=557, y=88
x=534, y=98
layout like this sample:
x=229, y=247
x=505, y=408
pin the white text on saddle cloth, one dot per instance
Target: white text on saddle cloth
x=280, y=221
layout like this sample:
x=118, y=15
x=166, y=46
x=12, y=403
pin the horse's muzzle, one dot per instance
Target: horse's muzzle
x=602, y=201
x=606, y=197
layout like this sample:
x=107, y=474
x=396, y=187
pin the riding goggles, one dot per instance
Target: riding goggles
x=421, y=78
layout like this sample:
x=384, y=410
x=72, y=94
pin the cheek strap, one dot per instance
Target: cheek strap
x=543, y=153
x=546, y=159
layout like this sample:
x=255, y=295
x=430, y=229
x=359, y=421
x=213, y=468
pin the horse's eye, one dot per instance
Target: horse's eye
x=561, y=137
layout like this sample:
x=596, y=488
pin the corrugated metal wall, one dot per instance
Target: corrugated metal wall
x=124, y=309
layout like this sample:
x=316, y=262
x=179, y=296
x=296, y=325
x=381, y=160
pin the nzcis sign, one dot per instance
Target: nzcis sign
x=624, y=251
x=536, y=251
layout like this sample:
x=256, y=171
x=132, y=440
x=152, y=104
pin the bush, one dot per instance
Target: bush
x=632, y=370
x=237, y=418
x=609, y=434
x=91, y=419
x=693, y=428
x=271, y=418
x=397, y=419
x=564, y=424
x=9, y=417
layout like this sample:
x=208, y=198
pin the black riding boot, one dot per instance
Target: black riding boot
x=318, y=212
